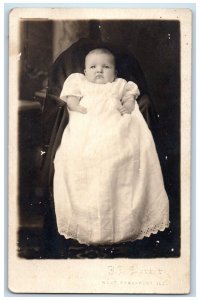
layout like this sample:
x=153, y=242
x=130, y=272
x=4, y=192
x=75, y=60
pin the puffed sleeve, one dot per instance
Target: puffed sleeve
x=130, y=90
x=72, y=86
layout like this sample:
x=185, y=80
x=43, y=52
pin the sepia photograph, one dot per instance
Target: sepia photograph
x=100, y=154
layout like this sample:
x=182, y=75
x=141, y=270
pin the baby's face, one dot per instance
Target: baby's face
x=100, y=68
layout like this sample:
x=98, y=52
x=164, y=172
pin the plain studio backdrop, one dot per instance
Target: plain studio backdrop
x=156, y=46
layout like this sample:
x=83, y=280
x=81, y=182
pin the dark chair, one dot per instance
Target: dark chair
x=55, y=114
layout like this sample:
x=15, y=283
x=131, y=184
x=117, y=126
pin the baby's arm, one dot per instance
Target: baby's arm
x=73, y=104
x=130, y=94
x=128, y=104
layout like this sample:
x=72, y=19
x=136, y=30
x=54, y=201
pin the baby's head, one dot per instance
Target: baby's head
x=100, y=66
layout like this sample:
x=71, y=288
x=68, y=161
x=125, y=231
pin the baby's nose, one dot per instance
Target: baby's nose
x=99, y=69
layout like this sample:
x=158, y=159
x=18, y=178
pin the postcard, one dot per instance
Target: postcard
x=99, y=150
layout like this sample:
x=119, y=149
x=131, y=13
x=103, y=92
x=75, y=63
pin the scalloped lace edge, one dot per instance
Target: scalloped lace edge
x=152, y=230
x=143, y=233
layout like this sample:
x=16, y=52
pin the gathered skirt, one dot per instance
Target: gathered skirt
x=108, y=184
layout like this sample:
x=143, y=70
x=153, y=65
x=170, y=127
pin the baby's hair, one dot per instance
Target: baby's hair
x=102, y=50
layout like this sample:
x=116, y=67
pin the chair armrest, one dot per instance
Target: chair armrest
x=55, y=101
x=55, y=118
x=58, y=100
x=54, y=113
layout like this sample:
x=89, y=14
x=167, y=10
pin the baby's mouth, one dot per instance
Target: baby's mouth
x=99, y=76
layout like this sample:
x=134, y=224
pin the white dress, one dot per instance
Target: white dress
x=108, y=185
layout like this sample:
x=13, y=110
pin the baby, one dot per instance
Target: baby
x=108, y=186
x=100, y=68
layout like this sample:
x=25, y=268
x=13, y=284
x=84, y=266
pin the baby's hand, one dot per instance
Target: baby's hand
x=123, y=110
x=81, y=109
x=129, y=105
x=128, y=102
x=126, y=108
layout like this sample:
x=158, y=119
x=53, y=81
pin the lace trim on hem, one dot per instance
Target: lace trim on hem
x=144, y=233
x=152, y=230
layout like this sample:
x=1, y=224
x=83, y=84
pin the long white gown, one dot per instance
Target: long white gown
x=108, y=185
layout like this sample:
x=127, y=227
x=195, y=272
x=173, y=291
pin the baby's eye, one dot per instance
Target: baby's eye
x=107, y=67
x=92, y=67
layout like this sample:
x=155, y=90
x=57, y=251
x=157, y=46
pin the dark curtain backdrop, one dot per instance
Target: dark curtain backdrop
x=156, y=45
